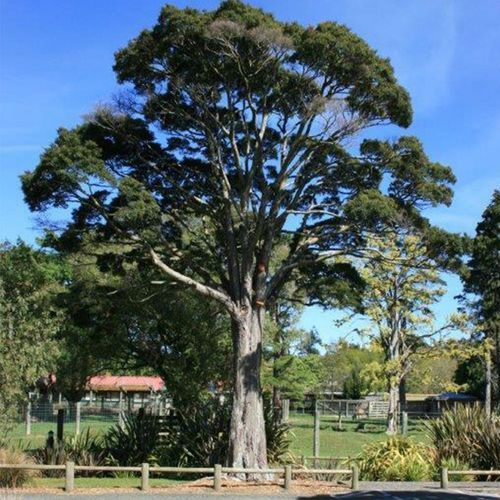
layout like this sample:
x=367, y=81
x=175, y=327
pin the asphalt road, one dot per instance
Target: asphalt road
x=385, y=495
x=385, y=491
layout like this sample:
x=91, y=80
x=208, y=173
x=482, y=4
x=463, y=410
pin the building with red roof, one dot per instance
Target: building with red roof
x=123, y=390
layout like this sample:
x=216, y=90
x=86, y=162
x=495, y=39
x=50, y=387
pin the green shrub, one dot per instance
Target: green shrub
x=277, y=438
x=136, y=442
x=86, y=449
x=83, y=449
x=13, y=478
x=465, y=435
x=200, y=435
x=397, y=459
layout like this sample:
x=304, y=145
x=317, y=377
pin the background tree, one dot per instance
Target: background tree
x=482, y=282
x=234, y=133
x=402, y=284
x=433, y=374
x=289, y=369
x=29, y=324
x=342, y=358
x=130, y=323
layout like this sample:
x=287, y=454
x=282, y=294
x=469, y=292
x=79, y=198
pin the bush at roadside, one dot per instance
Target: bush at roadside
x=13, y=478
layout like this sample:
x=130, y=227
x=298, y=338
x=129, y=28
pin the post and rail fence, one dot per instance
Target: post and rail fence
x=287, y=471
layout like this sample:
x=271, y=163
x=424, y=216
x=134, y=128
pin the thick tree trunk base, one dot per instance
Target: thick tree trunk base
x=247, y=437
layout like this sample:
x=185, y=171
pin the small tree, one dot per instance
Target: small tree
x=402, y=285
x=232, y=137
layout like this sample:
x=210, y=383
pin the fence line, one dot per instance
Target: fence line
x=445, y=474
x=287, y=471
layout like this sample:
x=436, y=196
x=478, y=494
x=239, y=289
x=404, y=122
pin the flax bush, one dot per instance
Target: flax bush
x=397, y=459
x=465, y=435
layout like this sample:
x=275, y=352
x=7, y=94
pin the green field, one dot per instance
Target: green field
x=335, y=443
x=39, y=430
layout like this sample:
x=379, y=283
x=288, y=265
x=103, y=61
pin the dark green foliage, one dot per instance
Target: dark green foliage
x=139, y=175
x=465, y=434
x=353, y=386
x=137, y=442
x=29, y=322
x=470, y=372
x=482, y=282
x=201, y=437
x=83, y=449
x=278, y=438
x=153, y=328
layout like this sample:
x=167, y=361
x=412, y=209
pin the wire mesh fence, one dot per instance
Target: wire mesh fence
x=339, y=429
x=37, y=418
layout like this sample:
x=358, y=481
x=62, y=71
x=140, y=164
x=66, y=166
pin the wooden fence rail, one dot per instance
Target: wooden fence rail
x=445, y=474
x=287, y=471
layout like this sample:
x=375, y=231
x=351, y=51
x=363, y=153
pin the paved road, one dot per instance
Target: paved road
x=387, y=491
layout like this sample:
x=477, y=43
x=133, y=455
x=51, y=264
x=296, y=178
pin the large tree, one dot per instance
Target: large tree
x=482, y=282
x=235, y=131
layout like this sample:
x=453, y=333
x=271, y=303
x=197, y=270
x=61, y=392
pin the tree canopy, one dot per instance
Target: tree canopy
x=235, y=133
x=29, y=322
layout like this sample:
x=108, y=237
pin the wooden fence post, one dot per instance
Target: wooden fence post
x=444, y=478
x=288, y=477
x=404, y=423
x=285, y=410
x=316, y=432
x=28, y=419
x=145, y=477
x=60, y=424
x=69, y=484
x=217, y=477
x=355, y=478
x=77, y=418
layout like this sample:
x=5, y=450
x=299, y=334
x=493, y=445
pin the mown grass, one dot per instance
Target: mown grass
x=333, y=443
x=346, y=443
x=39, y=430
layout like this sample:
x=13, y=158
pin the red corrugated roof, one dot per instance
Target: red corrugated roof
x=109, y=382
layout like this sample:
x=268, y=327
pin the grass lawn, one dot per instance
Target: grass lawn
x=39, y=430
x=334, y=443
x=105, y=482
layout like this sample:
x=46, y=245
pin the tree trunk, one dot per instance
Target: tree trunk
x=392, y=414
x=247, y=439
x=402, y=393
x=487, y=391
x=277, y=404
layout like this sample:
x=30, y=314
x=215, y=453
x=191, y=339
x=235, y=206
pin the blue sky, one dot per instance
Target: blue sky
x=56, y=58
